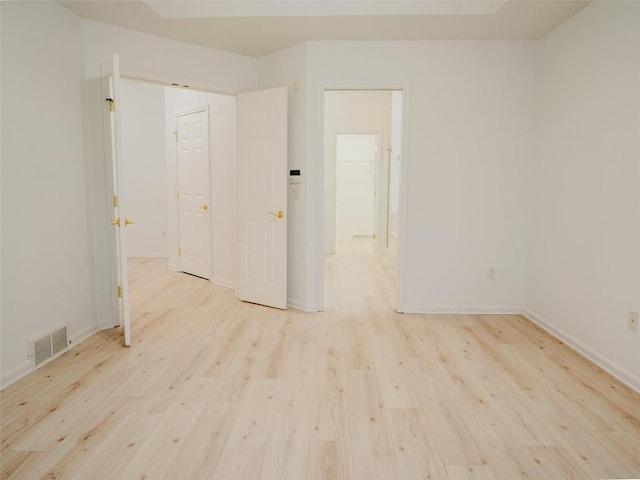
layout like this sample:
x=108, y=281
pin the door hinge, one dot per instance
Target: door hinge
x=179, y=252
x=374, y=236
x=176, y=135
x=178, y=195
x=115, y=200
x=112, y=104
x=119, y=291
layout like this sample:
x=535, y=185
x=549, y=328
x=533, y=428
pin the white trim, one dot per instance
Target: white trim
x=173, y=267
x=27, y=366
x=223, y=282
x=16, y=374
x=147, y=255
x=83, y=334
x=168, y=81
x=301, y=306
x=315, y=167
x=191, y=111
x=463, y=309
x=108, y=323
x=403, y=203
x=628, y=378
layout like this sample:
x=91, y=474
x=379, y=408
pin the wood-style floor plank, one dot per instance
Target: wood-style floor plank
x=214, y=388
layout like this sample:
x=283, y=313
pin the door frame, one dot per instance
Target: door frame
x=107, y=301
x=316, y=229
x=205, y=109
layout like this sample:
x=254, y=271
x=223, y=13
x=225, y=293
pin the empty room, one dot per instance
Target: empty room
x=320, y=239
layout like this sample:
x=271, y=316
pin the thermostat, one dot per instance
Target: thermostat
x=294, y=176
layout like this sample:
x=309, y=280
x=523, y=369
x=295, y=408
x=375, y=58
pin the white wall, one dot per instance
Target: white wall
x=223, y=201
x=471, y=137
x=154, y=58
x=472, y=107
x=584, y=247
x=144, y=157
x=46, y=230
x=349, y=111
x=287, y=68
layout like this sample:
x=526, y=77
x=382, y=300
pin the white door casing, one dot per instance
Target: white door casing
x=119, y=200
x=317, y=196
x=262, y=197
x=192, y=135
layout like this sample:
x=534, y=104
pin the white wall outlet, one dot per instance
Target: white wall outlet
x=633, y=321
x=492, y=273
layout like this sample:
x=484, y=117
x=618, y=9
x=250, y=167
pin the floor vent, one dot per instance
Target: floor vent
x=50, y=346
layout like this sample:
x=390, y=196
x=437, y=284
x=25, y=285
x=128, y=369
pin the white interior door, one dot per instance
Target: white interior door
x=192, y=132
x=262, y=197
x=118, y=218
x=355, y=185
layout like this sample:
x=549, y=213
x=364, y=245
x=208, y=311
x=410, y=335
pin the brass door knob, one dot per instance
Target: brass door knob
x=204, y=207
x=116, y=222
x=280, y=214
x=128, y=222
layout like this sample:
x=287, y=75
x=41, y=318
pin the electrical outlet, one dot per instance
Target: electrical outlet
x=492, y=273
x=633, y=321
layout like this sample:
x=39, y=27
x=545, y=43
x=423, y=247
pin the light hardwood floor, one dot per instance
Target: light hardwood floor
x=214, y=388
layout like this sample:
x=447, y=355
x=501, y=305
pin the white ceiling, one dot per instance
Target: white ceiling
x=260, y=27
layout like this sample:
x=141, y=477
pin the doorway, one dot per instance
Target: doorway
x=362, y=156
x=222, y=178
x=151, y=144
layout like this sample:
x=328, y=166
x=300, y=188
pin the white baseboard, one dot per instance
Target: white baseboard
x=223, y=282
x=105, y=325
x=147, y=255
x=16, y=374
x=173, y=267
x=26, y=367
x=79, y=337
x=106, y=322
x=300, y=305
x=462, y=310
x=629, y=379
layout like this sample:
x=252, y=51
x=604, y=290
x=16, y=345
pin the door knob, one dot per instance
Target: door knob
x=115, y=222
x=280, y=214
x=204, y=207
x=128, y=222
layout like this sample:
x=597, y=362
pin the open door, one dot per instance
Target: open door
x=262, y=197
x=118, y=219
x=192, y=137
